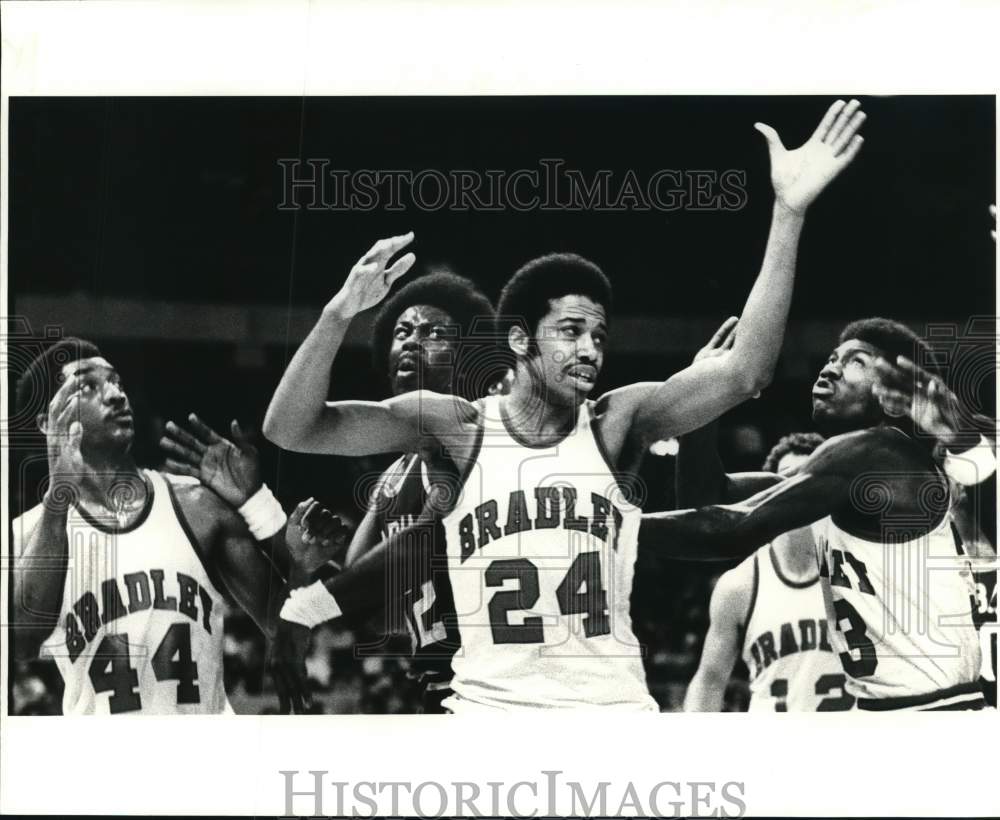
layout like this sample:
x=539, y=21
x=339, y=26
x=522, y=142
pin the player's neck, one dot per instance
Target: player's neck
x=535, y=413
x=112, y=480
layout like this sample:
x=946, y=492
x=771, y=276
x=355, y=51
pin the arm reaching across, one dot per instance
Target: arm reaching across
x=706, y=389
x=299, y=417
x=822, y=486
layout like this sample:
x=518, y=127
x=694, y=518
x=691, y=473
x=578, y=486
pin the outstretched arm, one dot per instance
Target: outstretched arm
x=701, y=478
x=721, y=650
x=820, y=487
x=706, y=389
x=299, y=417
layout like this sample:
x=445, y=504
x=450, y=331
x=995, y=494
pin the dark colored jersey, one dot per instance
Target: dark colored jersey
x=426, y=605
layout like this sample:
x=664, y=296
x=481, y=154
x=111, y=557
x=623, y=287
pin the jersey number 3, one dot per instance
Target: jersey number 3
x=111, y=669
x=580, y=591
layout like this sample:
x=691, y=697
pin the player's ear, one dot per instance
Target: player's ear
x=42, y=420
x=518, y=340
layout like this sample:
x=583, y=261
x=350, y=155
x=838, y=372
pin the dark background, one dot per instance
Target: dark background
x=152, y=227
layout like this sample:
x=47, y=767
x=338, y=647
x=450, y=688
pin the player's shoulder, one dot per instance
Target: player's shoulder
x=735, y=590
x=22, y=526
x=196, y=500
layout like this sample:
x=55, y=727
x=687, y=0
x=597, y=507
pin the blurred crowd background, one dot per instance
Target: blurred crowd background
x=153, y=227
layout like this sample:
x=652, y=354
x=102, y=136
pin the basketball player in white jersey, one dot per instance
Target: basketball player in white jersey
x=888, y=555
x=119, y=572
x=541, y=537
x=907, y=388
x=770, y=612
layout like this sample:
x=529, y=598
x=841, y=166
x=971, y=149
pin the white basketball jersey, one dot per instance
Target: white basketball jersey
x=793, y=666
x=140, y=629
x=541, y=555
x=902, y=609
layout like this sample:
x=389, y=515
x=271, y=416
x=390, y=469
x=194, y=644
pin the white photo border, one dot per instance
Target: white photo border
x=851, y=765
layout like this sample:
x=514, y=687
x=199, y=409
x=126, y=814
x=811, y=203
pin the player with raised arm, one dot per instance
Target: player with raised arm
x=424, y=337
x=541, y=540
x=880, y=509
x=119, y=573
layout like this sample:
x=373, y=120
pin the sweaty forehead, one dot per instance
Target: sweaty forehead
x=81, y=366
x=418, y=314
x=576, y=307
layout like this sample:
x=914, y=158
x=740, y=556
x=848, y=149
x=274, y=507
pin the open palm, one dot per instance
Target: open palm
x=801, y=174
x=230, y=469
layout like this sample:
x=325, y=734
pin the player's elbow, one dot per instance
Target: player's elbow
x=753, y=381
x=285, y=435
x=749, y=375
x=274, y=432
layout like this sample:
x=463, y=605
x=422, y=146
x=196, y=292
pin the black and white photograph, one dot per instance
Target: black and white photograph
x=341, y=414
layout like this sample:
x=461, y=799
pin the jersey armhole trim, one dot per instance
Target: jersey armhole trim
x=199, y=550
x=466, y=471
x=615, y=472
x=753, y=594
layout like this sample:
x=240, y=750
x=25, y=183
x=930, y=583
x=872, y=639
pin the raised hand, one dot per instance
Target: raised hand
x=800, y=175
x=904, y=389
x=721, y=341
x=286, y=663
x=230, y=469
x=314, y=536
x=63, y=439
x=369, y=280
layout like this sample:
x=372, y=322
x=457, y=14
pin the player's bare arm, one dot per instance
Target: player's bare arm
x=361, y=590
x=41, y=550
x=366, y=536
x=824, y=485
x=229, y=476
x=710, y=386
x=701, y=478
x=414, y=421
x=253, y=581
x=230, y=468
x=727, y=617
x=299, y=417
